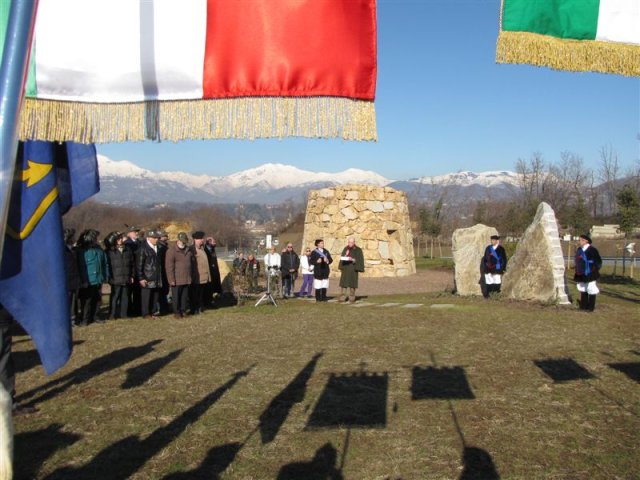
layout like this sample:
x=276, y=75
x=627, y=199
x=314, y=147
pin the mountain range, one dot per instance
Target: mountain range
x=123, y=182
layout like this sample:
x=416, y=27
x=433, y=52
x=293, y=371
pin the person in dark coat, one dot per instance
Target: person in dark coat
x=289, y=265
x=163, y=246
x=215, y=288
x=351, y=264
x=133, y=243
x=149, y=273
x=94, y=271
x=321, y=259
x=72, y=270
x=122, y=266
x=494, y=263
x=588, y=264
x=179, y=265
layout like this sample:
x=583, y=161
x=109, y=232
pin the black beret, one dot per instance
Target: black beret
x=197, y=235
x=495, y=237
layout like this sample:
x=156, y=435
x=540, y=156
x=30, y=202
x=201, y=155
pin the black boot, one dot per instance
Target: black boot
x=584, y=300
x=592, y=303
x=318, y=294
x=324, y=294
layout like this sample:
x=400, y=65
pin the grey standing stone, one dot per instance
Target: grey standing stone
x=536, y=271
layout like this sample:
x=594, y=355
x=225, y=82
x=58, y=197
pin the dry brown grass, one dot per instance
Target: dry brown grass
x=231, y=394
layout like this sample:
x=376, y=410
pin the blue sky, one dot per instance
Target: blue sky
x=443, y=105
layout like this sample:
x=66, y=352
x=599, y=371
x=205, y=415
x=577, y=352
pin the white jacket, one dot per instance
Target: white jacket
x=304, y=265
x=272, y=260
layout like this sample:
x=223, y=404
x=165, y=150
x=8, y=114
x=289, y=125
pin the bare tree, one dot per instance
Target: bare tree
x=609, y=172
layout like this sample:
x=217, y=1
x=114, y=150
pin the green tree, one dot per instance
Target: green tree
x=628, y=214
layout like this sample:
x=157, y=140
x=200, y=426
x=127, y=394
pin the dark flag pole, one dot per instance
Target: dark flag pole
x=13, y=77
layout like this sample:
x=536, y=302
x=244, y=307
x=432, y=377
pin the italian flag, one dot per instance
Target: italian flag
x=578, y=35
x=114, y=70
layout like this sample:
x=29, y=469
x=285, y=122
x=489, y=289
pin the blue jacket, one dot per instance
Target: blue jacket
x=95, y=265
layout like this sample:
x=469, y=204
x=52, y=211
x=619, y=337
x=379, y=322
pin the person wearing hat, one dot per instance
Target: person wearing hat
x=122, y=265
x=588, y=264
x=494, y=264
x=163, y=247
x=149, y=271
x=202, y=273
x=179, y=265
x=133, y=243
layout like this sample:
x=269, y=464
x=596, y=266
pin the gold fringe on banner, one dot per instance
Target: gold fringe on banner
x=239, y=118
x=565, y=54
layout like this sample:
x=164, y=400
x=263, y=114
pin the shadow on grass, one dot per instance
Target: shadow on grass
x=216, y=462
x=433, y=383
x=354, y=400
x=27, y=359
x=125, y=457
x=630, y=369
x=141, y=374
x=98, y=366
x=278, y=410
x=321, y=467
x=562, y=370
x=32, y=449
x=477, y=464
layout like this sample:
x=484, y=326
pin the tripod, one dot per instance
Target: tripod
x=267, y=295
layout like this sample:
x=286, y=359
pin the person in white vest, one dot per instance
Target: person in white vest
x=272, y=264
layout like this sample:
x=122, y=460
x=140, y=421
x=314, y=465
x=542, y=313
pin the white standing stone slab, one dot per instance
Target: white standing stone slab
x=468, y=246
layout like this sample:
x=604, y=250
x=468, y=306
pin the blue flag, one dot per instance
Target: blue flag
x=50, y=178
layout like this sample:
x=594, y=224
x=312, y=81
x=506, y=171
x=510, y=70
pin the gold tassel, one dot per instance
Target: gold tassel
x=244, y=118
x=566, y=54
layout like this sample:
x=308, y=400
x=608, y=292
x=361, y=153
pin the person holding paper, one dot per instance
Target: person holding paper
x=351, y=264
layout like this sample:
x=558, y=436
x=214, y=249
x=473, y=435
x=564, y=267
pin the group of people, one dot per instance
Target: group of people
x=143, y=271
x=587, y=270
x=282, y=270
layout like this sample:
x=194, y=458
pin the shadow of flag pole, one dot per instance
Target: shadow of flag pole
x=16, y=36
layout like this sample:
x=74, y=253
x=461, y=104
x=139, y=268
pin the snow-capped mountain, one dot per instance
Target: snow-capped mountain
x=466, y=178
x=124, y=182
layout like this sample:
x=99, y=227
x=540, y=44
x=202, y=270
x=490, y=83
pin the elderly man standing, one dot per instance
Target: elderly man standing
x=202, y=274
x=149, y=272
x=179, y=267
x=351, y=264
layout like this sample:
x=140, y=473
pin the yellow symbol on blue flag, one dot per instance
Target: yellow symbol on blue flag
x=33, y=174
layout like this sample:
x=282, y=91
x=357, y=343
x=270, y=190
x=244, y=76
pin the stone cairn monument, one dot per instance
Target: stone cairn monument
x=377, y=217
x=468, y=246
x=536, y=271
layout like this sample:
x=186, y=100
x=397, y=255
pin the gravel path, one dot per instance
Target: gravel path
x=432, y=280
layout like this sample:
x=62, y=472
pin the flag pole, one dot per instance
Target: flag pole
x=13, y=76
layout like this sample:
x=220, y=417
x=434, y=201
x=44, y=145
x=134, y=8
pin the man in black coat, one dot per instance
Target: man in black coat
x=494, y=264
x=215, y=287
x=588, y=264
x=149, y=273
x=289, y=265
x=122, y=265
x=133, y=243
x=72, y=270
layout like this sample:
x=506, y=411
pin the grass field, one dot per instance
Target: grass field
x=477, y=389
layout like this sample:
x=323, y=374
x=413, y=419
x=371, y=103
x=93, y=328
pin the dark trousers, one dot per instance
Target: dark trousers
x=119, y=301
x=288, y=284
x=198, y=294
x=180, y=296
x=149, y=297
x=73, y=305
x=162, y=299
x=7, y=369
x=89, y=297
x=135, y=299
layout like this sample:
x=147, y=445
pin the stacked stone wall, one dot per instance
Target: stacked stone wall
x=378, y=218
